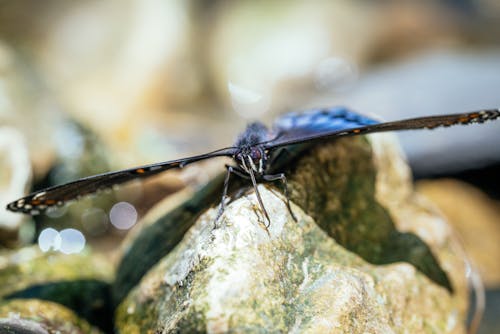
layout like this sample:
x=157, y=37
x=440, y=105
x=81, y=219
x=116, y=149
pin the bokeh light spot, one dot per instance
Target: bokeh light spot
x=49, y=239
x=123, y=215
x=72, y=241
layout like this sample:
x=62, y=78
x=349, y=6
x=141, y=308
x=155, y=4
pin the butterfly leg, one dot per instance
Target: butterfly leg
x=240, y=173
x=261, y=204
x=222, y=205
x=282, y=177
x=230, y=170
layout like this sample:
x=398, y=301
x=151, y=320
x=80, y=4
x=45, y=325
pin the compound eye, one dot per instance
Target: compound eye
x=256, y=154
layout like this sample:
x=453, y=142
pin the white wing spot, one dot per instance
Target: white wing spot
x=39, y=195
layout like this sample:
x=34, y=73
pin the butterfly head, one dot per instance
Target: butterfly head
x=252, y=158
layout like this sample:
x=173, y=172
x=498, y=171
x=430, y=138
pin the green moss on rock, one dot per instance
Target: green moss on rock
x=353, y=262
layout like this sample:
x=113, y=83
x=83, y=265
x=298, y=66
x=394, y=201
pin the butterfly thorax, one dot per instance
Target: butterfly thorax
x=251, y=156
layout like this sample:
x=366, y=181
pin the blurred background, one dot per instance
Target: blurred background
x=88, y=87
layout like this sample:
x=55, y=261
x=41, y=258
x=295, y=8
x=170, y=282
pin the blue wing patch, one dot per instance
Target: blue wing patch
x=298, y=124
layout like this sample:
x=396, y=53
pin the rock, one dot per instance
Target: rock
x=32, y=316
x=27, y=107
x=15, y=163
x=80, y=282
x=160, y=231
x=475, y=217
x=132, y=61
x=366, y=255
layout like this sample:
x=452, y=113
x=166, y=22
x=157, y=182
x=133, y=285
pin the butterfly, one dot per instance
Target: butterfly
x=254, y=153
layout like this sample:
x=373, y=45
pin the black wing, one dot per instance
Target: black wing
x=296, y=134
x=39, y=201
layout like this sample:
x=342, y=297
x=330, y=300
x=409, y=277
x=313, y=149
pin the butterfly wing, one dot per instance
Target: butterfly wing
x=39, y=201
x=298, y=125
x=310, y=128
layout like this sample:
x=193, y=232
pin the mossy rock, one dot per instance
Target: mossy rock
x=366, y=254
x=81, y=282
x=31, y=316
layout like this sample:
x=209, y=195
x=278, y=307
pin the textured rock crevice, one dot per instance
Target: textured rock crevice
x=357, y=273
x=345, y=202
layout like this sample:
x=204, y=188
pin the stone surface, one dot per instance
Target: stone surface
x=476, y=218
x=369, y=256
x=78, y=281
x=159, y=232
x=26, y=106
x=131, y=63
x=15, y=178
x=32, y=316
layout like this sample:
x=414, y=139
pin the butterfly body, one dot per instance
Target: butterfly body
x=254, y=153
x=250, y=154
x=252, y=144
